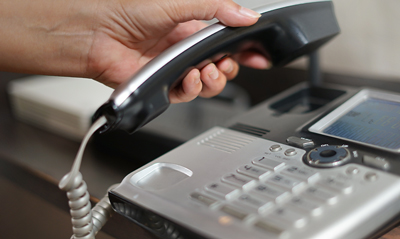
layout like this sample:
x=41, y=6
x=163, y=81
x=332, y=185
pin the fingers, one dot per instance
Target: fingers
x=228, y=67
x=189, y=89
x=235, y=15
x=227, y=11
x=253, y=60
x=213, y=81
x=208, y=82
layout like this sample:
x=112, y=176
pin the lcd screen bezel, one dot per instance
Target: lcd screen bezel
x=346, y=107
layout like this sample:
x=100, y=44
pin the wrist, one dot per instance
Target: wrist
x=46, y=36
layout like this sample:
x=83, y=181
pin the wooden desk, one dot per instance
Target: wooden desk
x=36, y=160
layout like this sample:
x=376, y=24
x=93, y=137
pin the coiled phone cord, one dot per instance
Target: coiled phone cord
x=86, y=222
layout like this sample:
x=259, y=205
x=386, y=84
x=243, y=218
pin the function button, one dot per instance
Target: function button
x=275, y=148
x=317, y=194
x=234, y=212
x=222, y=190
x=303, y=173
x=371, y=176
x=336, y=185
x=252, y=171
x=272, y=229
x=288, y=217
x=278, y=195
x=253, y=203
x=237, y=180
x=352, y=170
x=206, y=200
x=268, y=163
x=290, y=152
x=285, y=182
x=300, y=142
x=305, y=206
x=376, y=162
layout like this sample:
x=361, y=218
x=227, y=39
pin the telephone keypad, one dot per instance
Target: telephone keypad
x=274, y=196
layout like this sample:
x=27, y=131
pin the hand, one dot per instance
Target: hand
x=109, y=40
x=132, y=38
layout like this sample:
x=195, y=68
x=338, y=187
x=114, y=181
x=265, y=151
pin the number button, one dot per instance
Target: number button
x=285, y=182
x=252, y=171
x=273, y=230
x=238, y=181
x=278, y=195
x=287, y=216
x=206, y=200
x=306, y=206
x=222, y=190
x=234, y=212
x=336, y=185
x=301, y=173
x=316, y=194
x=253, y=203
x=268, y=163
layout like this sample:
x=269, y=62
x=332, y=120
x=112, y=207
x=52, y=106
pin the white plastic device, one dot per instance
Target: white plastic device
x=64, y=105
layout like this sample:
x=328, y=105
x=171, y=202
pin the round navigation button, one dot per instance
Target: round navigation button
x=328, y=156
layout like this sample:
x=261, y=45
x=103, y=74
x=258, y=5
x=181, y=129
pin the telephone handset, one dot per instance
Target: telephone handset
x=286, y=30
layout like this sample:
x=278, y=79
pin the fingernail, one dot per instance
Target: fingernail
x=268, y=66
x=249, y=13
x=227, y=66
x=214, y=73
x=197, y=78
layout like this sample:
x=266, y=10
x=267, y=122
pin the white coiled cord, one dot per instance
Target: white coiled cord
x=85, y=221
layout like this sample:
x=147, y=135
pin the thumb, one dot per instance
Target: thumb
x=226, y=11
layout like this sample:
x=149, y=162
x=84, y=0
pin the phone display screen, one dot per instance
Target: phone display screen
x=373, y=121
x=370, y=117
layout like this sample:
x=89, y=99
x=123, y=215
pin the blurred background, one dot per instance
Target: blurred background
x=368, y=44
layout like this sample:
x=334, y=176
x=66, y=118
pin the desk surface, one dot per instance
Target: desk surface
x=36, y=160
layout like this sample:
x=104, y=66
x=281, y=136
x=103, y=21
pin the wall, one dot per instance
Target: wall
x=369, y=43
